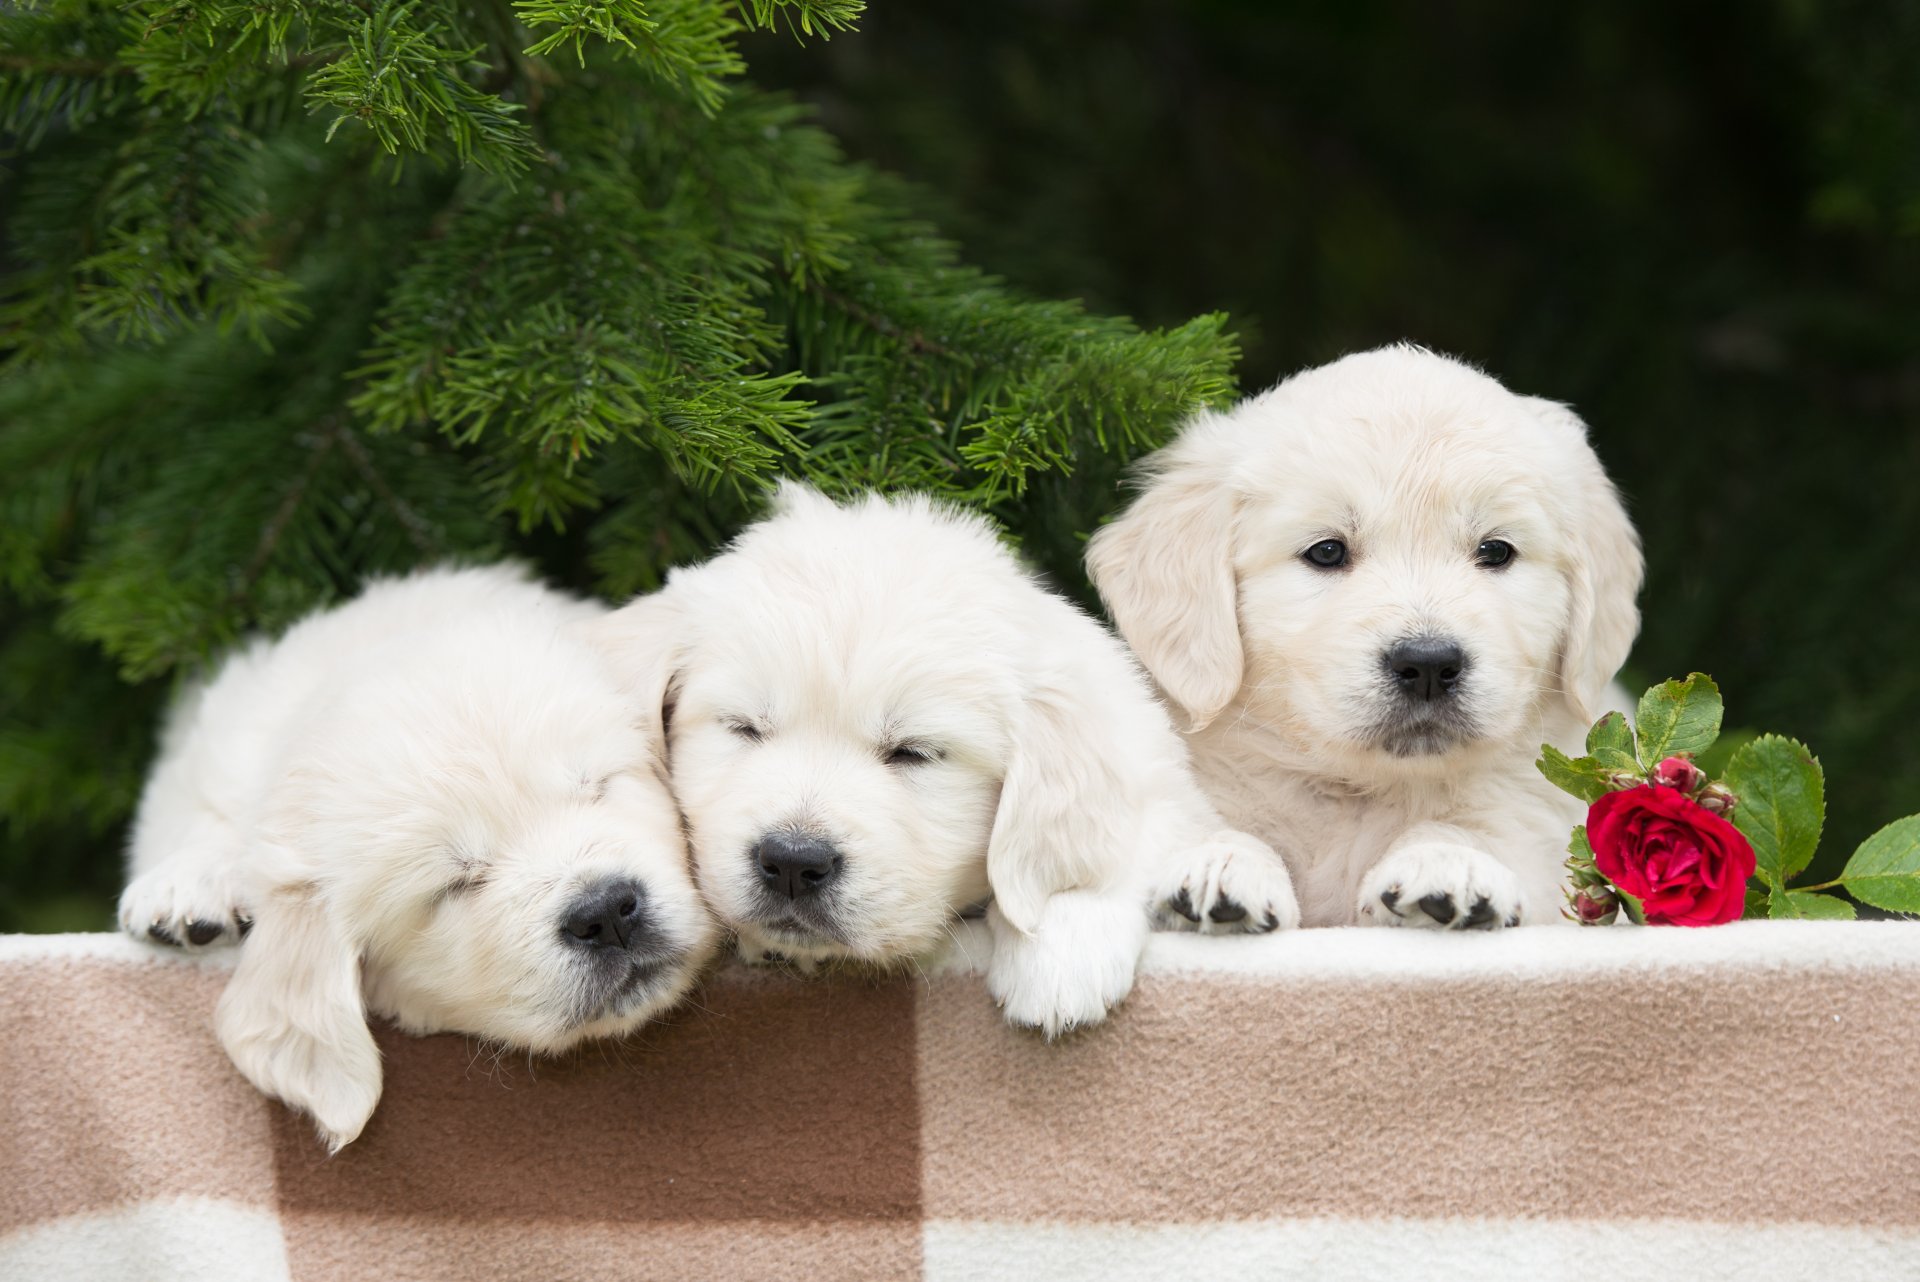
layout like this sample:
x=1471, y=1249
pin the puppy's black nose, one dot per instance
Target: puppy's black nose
x=608, y=914
x=794, y=864
x=1426, y=668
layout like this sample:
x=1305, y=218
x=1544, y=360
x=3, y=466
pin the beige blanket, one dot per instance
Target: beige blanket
x=1740, y=1102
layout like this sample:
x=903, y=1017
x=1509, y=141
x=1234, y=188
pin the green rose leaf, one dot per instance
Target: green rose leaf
x=1782, y=805
x=1885, y=871
x=1613, y=737
x=1578, y=847
x=1714, y=760
x=1613, y=760
x=1759, y=899
x=1584, y=777
x=1810, y=905
x=1679, y=716
x=1632, y=907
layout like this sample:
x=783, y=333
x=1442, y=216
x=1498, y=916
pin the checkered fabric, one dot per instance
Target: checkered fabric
x=1737, y=1102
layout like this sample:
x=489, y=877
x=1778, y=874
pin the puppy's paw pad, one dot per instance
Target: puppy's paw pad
x=185, y=907
x=1232, y=885
x=1437, y=887
x=1227, y=910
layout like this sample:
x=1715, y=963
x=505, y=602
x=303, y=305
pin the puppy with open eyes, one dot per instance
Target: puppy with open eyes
x=1373, y=591
x=432, y=803
x=876, y=719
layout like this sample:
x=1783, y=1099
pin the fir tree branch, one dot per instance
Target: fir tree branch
x=401, y=77
x=913, y=340
x=417, y=528
x=91, y=67
x=276, y=526
x=802, y=17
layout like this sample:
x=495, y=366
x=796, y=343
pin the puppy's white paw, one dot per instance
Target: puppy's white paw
x=1074, y=967
x=1229, y=884
x=187, y=903
x=756, y=949
x=1434, y=886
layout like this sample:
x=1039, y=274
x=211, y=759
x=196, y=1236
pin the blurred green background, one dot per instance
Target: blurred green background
x=1695, y=223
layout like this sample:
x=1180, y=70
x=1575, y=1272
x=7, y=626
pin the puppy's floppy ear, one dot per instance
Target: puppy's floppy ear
x=292, y=1018
x=1061, y=808
x=1165, y=570
x=641, y=642
x=1607, y=568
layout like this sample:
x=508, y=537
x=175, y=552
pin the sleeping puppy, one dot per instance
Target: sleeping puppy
x=876, y=720
x=1373, y=592
x=430, y=804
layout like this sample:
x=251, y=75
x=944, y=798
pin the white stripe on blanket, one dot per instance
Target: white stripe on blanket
x=192, y=1239
x=1419, y=1251
x=106, y=946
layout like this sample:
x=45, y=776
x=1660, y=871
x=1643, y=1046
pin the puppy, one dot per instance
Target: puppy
x=432, y=804
x=876, y=720
x=1373, y=592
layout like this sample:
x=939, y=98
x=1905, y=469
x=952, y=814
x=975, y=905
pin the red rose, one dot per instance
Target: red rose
x=1686, y=865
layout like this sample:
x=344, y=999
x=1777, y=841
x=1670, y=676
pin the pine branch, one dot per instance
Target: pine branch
x=419, y=531
x=59, y=70
x=401, y=77
x=802, y=18
x=685, y=44
x=624, y=292
x=276, y=526
x=21, y=64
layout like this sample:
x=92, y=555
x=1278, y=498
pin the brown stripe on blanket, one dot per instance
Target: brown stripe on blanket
x=115, y=1091
x=1710, y=1096
x=327, y=1249
x=772, y=1100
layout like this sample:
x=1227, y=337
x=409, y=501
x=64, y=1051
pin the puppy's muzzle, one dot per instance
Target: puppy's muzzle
x=794, y=865
x=621, y=949
x=1427, y=669
x=610, y=916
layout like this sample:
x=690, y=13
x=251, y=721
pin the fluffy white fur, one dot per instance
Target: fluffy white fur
x=1413, y=461
x=885, y=678
x=400, y=802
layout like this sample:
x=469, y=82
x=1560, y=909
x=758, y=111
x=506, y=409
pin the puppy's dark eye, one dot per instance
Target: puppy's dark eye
x=909, y=754
x=1327, y=554
x=745, y=729
x=1494, y=553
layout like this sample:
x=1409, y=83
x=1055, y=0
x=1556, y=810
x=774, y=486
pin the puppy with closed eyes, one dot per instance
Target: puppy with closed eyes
x=1372, y=592
x=432, y=803
x=876, y=719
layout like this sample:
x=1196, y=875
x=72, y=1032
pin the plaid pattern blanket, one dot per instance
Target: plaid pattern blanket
x=1609, y=1104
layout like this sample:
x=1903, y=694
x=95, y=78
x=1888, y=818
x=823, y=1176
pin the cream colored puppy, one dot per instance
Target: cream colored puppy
x=876, y=719
x=432, y=804
x=1373, y=592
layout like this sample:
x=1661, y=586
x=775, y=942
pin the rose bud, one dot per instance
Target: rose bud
x=1595, y=906
x=1718, y=798
x=1678, y=772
